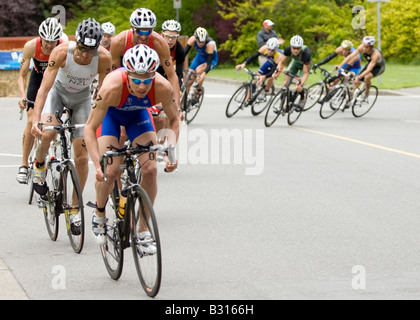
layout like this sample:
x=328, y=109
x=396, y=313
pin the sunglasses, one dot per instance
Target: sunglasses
x=90, y=51
x=296, y=48
x=170, y=36
x=138, y=81
x=143, y=33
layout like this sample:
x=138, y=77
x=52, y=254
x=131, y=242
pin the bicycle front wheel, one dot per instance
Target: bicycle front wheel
x=332, y=102
x=145, y=242
x=313, y=95
x=276, y=108
x=360, y=108
x=237, y=101
x=260, y=105
x=72, y=202
x=191, y=110
x=295, y=111
x=112, y=251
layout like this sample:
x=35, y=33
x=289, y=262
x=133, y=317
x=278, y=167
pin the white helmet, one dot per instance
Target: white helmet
x=108, y=28
x=141, y=59
x=273, y=43
x=346, y=44
x=50, y=29
x=171, y=25
x=143, y=18
x=296, y=41
x=370, y=40
x=201, y=34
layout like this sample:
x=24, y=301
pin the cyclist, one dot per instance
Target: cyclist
x=109, y=32
x=374, y=67
x=71, y=70
x=39, y=49
x=143, y=21
x=273, y=55
x=301, y=62
x=124, y=100
x=206, y=58
x=345, y=49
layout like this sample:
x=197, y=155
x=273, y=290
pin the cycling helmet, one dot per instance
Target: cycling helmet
x=296, y=41
x=273, y=43
x=346, y=44
x=143, y=19
x=369, y=40
x=201, y=34
x=89, y=33
x=171, y=25
x=141, y=59
x=50, y=30
x=108, y=28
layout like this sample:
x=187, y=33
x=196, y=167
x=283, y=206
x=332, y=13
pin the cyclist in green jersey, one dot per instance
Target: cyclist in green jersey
x=300, y=65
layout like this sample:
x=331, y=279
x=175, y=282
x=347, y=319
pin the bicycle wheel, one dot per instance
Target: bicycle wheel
x=313, y=95
x=50, y=206
x=237, y=101
x=295, y=111
x=31, y=161
x=112, y=251
x=145, y=242
x=332, y=102
x=192, y=110
x=260, y=106
x=72, y=206
x=360, y=108
x=276, y=108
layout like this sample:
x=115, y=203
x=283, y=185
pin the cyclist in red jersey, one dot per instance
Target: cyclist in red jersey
x=124, y=100
x=39, y=50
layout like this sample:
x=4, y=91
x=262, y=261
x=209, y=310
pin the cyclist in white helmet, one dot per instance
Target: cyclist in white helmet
x=273, y=54
x=71, y=70
x=143, y=21
x=301, y=63
x=109, y=32
x=374, y=67
x=206, y=58
x=39, y=50
x=124, y=100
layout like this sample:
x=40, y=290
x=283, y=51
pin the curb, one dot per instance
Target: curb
x=10, y=288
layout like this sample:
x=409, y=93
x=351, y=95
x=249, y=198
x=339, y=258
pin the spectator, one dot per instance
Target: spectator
x=263, y=35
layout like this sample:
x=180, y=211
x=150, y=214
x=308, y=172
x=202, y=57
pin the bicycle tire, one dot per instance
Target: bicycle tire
x=148, y=260
x=334, y=101
x=31, y=161
x=71, y=185
x=313, y=94
x=112, y=251
x=275, y=108
x=259, y=107
x=359, y=109
x=191, y=111
x=50, y=207
x=294, y=112
x=237, y=101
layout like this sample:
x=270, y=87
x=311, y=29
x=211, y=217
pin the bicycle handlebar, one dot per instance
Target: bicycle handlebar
x=60, y=127
x=139, y=149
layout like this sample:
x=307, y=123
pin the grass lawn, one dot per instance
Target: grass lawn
x=396, y=76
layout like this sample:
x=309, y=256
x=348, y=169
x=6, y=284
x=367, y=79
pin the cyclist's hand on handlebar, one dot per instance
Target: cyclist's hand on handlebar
x=99, y=175
x=22, y=102
x=170, y=167
x=36, y=131
x=240, y=66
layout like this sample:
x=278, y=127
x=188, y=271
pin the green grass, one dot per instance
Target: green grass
x=396, y=76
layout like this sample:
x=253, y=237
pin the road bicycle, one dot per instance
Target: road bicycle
x=64, y=195
x=316, y=91
x=248, y=95
x=286, y=101
x=342, y=97
x=191, y=101
x=130, y=213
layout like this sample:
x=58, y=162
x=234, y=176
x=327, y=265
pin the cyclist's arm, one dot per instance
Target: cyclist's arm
x=306, y=69
x=189, y=45
x=117, y=49
x=328, y=58
x=28, y=53
x=375, y=58
x=104, y=64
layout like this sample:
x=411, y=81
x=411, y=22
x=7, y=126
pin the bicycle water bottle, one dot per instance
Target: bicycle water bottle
x=121, y=207
x=55, y=172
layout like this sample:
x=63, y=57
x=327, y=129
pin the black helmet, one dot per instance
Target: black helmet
x=89, y=33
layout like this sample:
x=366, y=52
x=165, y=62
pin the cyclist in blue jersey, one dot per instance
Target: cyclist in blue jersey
x=206, y=58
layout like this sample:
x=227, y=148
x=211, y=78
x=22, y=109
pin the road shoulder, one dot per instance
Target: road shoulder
x=10, y=288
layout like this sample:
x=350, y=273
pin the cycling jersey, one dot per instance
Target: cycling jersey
x=202, y=56
x=303, y=58
x=132, y=112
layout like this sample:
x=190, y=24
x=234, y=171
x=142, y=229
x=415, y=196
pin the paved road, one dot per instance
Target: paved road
x=324, y=209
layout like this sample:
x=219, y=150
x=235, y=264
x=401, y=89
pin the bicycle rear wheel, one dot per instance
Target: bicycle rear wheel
x=276, y=108
x=73, y=208
x=145, y=242
x=237, y=101
x=332, y=102
x=313, y=95
x=360, y=108
x=260, y=106
x=112, y=251
x=191, y=110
